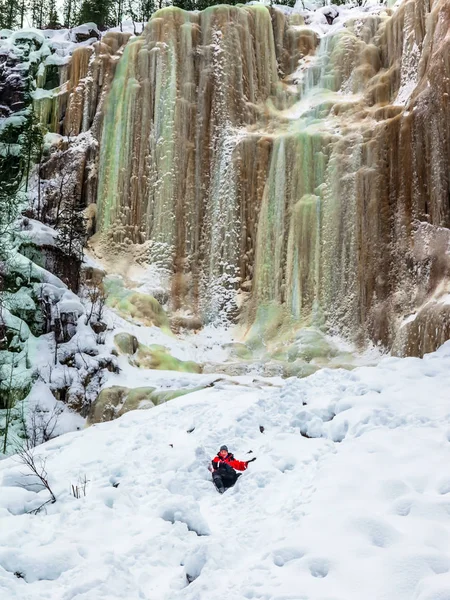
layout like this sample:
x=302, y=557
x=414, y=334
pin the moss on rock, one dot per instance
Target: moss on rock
x=126, y=343
x=137, y=399
x=115, y=401
x=104, y=408
x=158, y=357
x=144, y=308
x=239, y=350
x=299, y=368
x=165, y=395
x=310, y=344
x=140, y=307
x=152, y=357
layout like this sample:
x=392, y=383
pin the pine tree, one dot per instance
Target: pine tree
x=140, y=11
x=10, y=14
x=39, y=13
x=71, y=13
x=100, y=12
x=31, y=141
x=52, y=20
x=290, y=2
x=117, y=11
x=202, y=4
x=10, y=177
x=147, y=8
x=186, y=4
x=23, y=7
x=71, y=232
x=70, y=241
x=20, y=146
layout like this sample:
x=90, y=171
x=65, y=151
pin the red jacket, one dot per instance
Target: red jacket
x=229, y=459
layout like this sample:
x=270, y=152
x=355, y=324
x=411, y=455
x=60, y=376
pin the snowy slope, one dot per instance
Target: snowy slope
x=360, y=510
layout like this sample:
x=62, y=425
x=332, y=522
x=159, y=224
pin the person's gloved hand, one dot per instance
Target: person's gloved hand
x=251, y=460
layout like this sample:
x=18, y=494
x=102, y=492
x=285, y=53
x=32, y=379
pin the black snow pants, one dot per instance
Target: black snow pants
x=225, y=477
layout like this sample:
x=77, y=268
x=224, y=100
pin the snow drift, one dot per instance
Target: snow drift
x=348, y=498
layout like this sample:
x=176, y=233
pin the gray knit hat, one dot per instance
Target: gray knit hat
x=223, y=448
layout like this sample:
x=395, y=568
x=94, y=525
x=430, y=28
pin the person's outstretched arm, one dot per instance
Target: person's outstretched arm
x=240, y=465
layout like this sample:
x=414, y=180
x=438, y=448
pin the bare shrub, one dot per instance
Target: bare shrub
x=41, y=425
x=36, y=466
x=96, y=295
x=79, y=490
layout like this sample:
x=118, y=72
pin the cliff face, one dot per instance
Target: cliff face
x=240, y=152
x=74, y=110
x=269, y=170
x=65, y=76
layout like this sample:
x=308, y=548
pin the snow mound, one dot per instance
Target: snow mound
x=349, y=497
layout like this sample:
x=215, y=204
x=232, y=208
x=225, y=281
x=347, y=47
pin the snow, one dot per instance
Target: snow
x=18, y=301
x=314, y=12
x=408, y=319
x=39, y=233
x=27, y=34
x=44, y=410
x=127, y=26
x=358, y=510
x=84, y=29
x=70, y=303
x=41, y=94
x=13, y=121
x=409, y=71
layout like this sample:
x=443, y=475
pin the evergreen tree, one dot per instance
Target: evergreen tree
x=202, y=4
x=10, y=177
x=24, y=6
x=185, y=4
x=117, y=10
x=146, y=9
x=52, y=20
x=10, y=14
x=71, y=231
x=100, y=12
x=20, y=147
x=140, y=11
x=31, y=141
x=70, y=241
x=290, y=3
x=39, y=12
x=10, y=171
x=71, y=13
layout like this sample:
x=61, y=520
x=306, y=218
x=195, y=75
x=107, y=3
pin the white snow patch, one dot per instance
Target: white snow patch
x=408, y=319
x=37, y=232
x=44, y=411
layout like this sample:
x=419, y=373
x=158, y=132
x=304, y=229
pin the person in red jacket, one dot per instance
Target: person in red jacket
x=223, y=469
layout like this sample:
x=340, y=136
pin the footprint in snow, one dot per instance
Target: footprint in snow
x=319, y=567
x=282, y=556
